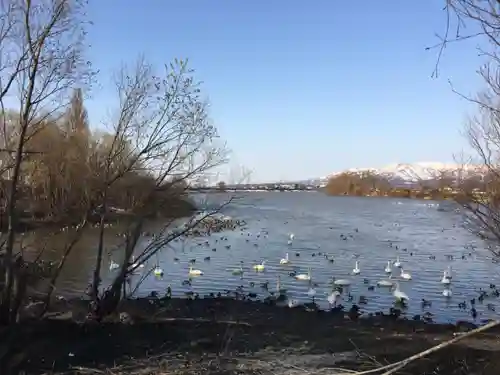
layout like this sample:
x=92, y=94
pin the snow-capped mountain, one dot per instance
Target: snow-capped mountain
x=409, y=173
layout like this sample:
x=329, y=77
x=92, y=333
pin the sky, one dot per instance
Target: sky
x=301, y=89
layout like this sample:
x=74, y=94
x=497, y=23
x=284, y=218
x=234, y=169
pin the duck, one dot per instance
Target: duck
x=158, y=271
x=194, y=272
x=259, y=267
x=304, y=276
x=445, y=280
x=356, y=270
x=388, y=268
x=398, y=294
x=405, y=275
x=285, y=260
x=397, y=263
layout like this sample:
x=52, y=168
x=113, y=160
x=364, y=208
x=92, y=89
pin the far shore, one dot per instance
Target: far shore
x=224, y=335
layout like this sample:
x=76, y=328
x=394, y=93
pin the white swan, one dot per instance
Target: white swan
x=259, y=267
x=388, y=268
x=342, y=282
x=237, y=271
x=397, y=263
x=445, y=280
x=285, y=260
x=398, y=294
x=333, y=297
x=405, y=275
x=291, y=236
x=356, y=270
x=385, y=283
x=193, y=272
x=304, y=276
x=290, y=242
x=113, y=265
x=447, y=293
x=135, y=264
x=158, y=271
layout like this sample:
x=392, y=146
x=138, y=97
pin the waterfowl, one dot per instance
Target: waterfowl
x=135, y=264
x=237, y=271
x=356, y=270
x=304, y=276
x=291, y=236
x=398, y=294
x=342, y=282
x=158, y=271
x=293, y=303
x=448, y=273
x=285, y=260
x=193, y=272
x=405, y=275
x=259, y=267
x=388, y=268
x=113, y=265
x=334, y=297
x=397, y=263
x=447, y=293
x=445, y=280
x=385, y=283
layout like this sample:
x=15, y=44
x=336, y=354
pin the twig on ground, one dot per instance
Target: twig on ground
x=203, y=320
x=392, y=368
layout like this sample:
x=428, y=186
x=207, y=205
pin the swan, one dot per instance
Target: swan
x=113, y=265
x=333, y=297
x=447, y=293
x=397, y=263
x=290, y=242
x=342, y=282
x=193, y=272
x=237, y=271
x=158, y=271
x=304, y=276
x=285, y=260
x=291, y=236
x=405, y=275
x=445, y=280
x=259, y=267
x=398, y=294
x=388, y=268
x=135, y=264
x=385, y=283
x=356, y=270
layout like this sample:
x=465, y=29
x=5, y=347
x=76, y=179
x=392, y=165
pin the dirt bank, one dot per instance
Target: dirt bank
x=228, y=336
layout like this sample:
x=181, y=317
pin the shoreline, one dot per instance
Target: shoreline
x=186, y=336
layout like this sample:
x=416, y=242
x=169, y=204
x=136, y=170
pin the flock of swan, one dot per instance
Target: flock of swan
x=337, y=284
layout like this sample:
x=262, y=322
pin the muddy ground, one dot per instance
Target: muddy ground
x=225, y=336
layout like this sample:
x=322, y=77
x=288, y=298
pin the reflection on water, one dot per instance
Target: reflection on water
x=374, y=231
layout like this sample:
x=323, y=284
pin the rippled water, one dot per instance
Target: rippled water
x=423, y=228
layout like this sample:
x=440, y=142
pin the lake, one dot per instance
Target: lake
x=371, y=230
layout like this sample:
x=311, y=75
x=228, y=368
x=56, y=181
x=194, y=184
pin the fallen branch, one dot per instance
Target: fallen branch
x=393, y=367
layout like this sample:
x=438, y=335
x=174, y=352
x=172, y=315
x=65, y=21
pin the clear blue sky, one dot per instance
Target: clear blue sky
x=303, y=88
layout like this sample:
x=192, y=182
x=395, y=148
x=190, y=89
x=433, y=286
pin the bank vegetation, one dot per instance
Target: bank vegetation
x=58, y=167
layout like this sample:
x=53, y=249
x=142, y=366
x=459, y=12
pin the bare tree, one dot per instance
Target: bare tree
x=163, y=133
x=41, y=49
x=479, y=178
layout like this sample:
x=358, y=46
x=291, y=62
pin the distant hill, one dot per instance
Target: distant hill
x=411, y=174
